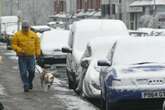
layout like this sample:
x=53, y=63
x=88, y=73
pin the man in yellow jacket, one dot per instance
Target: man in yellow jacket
x=26, y=44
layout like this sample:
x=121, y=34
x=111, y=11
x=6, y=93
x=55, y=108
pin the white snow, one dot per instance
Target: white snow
x=2, y=90
x=136, y=50
x=147, y=2
x=130, y=75
x=54, y=40
x=76, y=103
x=10, y=53
x=85, y=30
x=41, y=28
x=9, y=24
x=71, y=100
x=6, y=19
x=13, y=57
x=99, y=48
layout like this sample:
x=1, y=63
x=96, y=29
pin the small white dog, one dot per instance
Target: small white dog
x=46, y=78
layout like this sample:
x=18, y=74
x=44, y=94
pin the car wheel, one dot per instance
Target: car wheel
x=107, y=105
x=102, y=101
x=79, y=87
x=71, y=80
x=163, y=106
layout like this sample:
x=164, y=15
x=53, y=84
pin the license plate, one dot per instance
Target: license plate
x=153, y=94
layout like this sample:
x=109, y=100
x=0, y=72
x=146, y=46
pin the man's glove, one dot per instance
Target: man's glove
x=37, y=58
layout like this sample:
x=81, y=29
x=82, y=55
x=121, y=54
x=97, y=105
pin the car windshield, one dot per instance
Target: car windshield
x=143, y=52
x=50, y=39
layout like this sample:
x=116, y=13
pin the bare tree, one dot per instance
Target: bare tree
x=36, y=11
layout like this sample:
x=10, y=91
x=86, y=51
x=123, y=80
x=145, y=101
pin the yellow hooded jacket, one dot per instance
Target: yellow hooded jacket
x=26, y=44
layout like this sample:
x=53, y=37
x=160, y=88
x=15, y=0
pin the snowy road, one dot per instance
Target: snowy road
x=58, y=98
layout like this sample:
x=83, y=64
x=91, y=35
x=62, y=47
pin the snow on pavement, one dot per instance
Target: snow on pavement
x=2, y=90
x=11, y=55
x=71, y=100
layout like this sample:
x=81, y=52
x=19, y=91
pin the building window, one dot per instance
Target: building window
x=98, y=4
x=113, y=9
x=132, y=17
x=78, y=4
x=119, y=1
x=62, y=5
x=120, y=16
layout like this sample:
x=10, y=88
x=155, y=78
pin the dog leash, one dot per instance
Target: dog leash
x=37, y=70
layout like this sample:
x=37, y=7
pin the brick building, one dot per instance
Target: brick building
x=59, y=6
x=74, y=7
x=88, y=5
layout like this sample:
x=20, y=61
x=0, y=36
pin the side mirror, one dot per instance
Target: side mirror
x=104, y=63
x=85, y=62
x=66, y=50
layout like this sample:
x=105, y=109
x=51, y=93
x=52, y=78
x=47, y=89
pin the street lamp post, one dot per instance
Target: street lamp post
x=154, y=8
x=1, y=7
x=19, y=14
x=154, y=13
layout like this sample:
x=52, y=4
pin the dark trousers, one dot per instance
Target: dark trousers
x=27, y=69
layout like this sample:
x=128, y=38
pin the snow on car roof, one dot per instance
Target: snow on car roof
x=103, y=25
x=10, y=30
x=40, y=28
x=85, y=30
x=101, y=46
x=136, y=50
x=147, y=2
x=54, y=39
x=6, y=19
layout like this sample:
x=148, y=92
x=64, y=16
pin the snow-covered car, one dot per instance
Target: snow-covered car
x=89, y=78
x=40, y=28
x=134, y=71
x=80, y=34
x=8, y=26
x=147, y=32
x=136, y=33
x=51, y=46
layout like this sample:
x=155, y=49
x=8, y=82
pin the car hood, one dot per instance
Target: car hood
x=140, y=71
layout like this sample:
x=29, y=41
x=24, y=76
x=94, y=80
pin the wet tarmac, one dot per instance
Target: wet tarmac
x=59, y=97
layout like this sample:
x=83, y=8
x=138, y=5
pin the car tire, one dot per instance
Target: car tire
x=79, y=87
x=107, y=105
x=102, y=102
x=163, y=105
x=71, y=79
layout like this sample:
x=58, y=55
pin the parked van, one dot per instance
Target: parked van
x=8, y=26
x=81, y=33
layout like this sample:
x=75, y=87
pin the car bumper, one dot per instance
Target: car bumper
x=54, y=59
x=139, y=93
